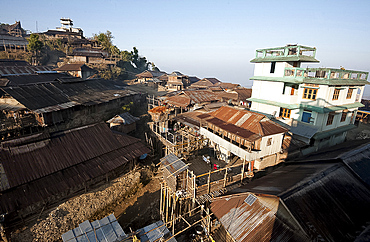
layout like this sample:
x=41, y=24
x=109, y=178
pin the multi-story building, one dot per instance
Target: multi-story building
x=326, y=99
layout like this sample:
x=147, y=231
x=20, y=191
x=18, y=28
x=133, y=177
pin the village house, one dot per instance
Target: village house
x=205, y=83
x=123, y=122
x=12, y=37
x=41, y=169
x=325, y=98
x=77, y=70
x=31, y=101
x=247, y=135
x=177, y=81
x=149, y=76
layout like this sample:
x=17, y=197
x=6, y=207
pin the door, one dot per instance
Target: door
x=306, y=117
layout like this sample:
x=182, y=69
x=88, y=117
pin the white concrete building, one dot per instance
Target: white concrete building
x=325, y=98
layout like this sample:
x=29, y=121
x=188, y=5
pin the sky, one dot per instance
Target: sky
x=212, y=38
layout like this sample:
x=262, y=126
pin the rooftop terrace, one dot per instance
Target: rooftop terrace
x=286, y=53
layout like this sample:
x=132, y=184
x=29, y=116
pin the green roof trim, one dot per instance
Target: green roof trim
x=308, y=107
x=319, y=81
x=273, y=103
x=291, y=58
x=276, y=79
x=328, y=133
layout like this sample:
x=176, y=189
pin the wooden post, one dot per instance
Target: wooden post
x=160, y=202
x=209, y=182
x=225, y=178
x=241, y=179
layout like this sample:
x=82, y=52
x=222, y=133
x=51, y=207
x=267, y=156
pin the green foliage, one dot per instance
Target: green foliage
x=105, y=40
x=34, y=44
x=140, y=63
x=154, y=68
x=127, y=107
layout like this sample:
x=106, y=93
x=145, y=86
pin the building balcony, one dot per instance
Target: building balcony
x=286, y=53
x=325, y=74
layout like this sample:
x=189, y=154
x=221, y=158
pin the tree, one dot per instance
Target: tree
x=105, y=40
x=34, y=44
x=154, y=68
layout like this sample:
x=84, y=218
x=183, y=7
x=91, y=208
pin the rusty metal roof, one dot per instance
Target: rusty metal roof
x=244, y=93
x=23, y=70
x=48, y=97
x=200, y=96
x=49, y=165
x=73, y=67
x=226, y=85
x=255, y=217
x=254, y=122
x=328, y=199
x=179, y=101
x=158, y=109
x=150, y=74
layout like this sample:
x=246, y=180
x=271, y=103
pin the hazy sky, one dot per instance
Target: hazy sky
x=212, y=38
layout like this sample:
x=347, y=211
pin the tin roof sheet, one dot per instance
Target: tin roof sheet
x=173, y=164
x=259, y=219
x=106, y=229
x=43, y=166
x=326, y=198
x=179, y=101
x=155, y=232
x=200, y=96
x=254, y=122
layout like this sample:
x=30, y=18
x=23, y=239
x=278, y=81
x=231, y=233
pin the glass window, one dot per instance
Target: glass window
x=336, y=94
x=330, y=119
x=309, y=93
x=344, y=116
x=349, y=93
x=284, y=112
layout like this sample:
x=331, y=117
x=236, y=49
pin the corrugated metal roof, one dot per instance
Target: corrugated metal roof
x=106, y=229
x=155, y=232
x=261, y=220
x=40, y=167
x=247, y=120
x=123, y=118
x=359, y=161
x=179, y=101
x=22, y=70
x=173, y=164
x=244, y=93
x=200, y=96
x=72, y=67
x=327, y=199
x=56, y=96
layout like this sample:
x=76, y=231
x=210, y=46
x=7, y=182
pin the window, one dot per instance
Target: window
x=284, y=112
x=272, y=69
x=330, y=119
x=344, y=116
x=352, y=117
x=309, y=93
x=336, y=94
x=349, y=93
x=269, y=142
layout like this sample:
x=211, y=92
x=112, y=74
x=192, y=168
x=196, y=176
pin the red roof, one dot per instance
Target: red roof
x=180, y=101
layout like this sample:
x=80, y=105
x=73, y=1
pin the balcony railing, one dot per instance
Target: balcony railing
x=325, y=73
x=289, y=50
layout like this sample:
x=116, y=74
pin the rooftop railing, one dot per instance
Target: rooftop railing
x=325, y=73
x=289, y=50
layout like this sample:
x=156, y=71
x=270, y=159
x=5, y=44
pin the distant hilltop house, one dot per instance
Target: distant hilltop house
x=65, y=31
x=12, y=37
x=77, y=70
x=205, y=83
x=177, y=81
x=326, y=99
x=90, y=56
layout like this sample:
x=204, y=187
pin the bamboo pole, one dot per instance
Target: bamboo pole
x=225, y=178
